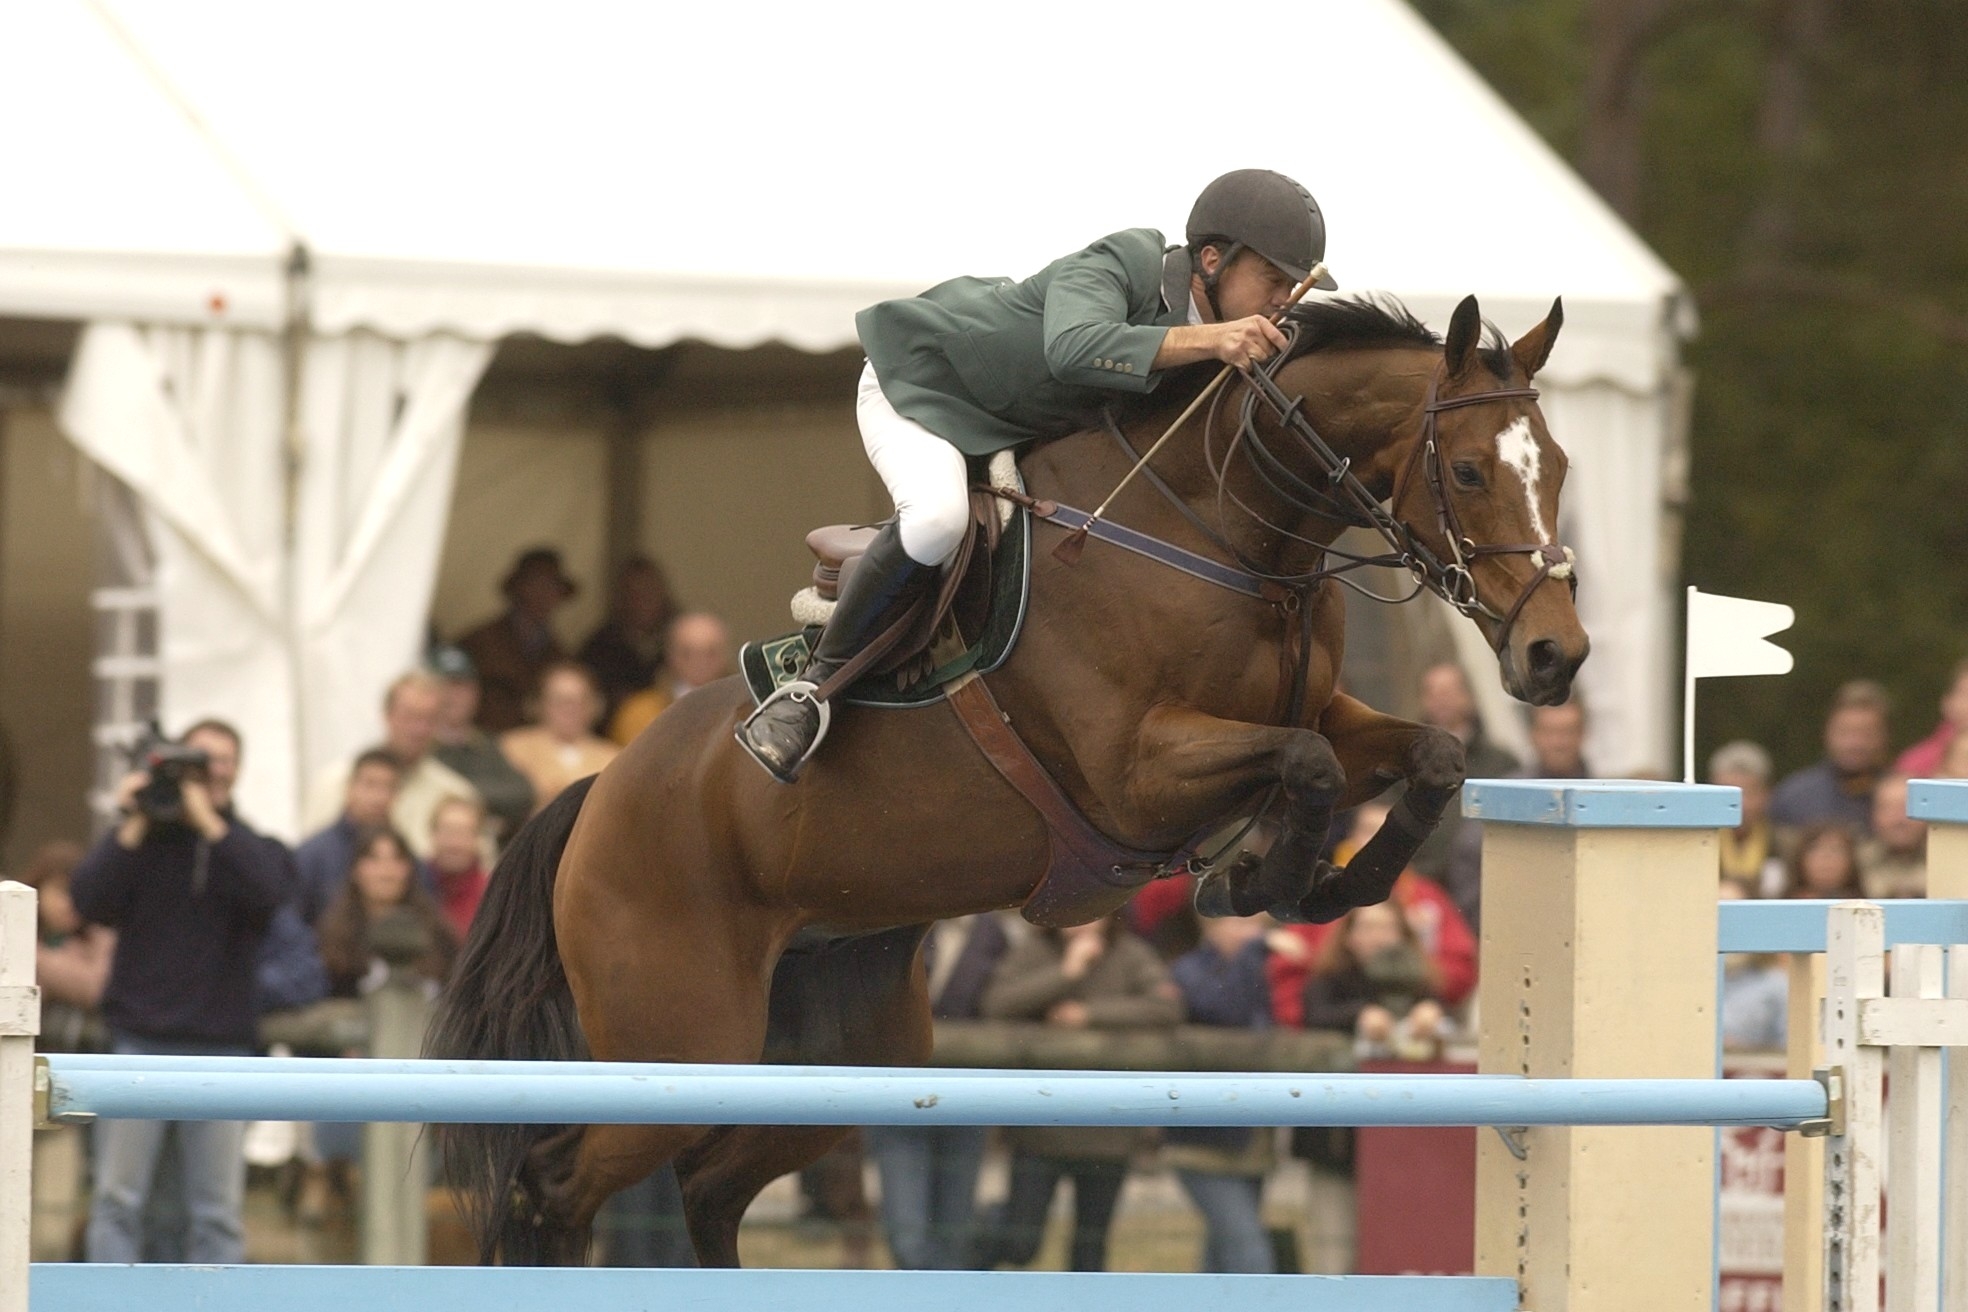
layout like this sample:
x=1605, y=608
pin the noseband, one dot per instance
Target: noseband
x=1554, y=560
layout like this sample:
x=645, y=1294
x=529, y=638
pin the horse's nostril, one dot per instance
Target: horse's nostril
x=1545, y=658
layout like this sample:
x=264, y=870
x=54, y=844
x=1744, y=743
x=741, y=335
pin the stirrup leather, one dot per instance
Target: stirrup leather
x=799, y=690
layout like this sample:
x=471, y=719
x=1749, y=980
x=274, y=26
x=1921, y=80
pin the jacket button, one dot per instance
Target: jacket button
x=1127, y=368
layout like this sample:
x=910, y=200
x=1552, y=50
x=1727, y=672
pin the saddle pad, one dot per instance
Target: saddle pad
x=769, y=665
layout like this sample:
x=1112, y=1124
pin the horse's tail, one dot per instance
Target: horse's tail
x=508, y=999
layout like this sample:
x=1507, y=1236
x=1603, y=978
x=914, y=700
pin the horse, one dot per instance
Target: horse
x=647, y=913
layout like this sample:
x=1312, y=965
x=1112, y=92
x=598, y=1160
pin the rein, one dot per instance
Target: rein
x=1335, y=493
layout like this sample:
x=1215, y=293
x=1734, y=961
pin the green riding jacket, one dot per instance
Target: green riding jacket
x=988, y=363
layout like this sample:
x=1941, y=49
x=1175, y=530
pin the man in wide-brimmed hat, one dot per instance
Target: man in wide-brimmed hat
x=510, y=652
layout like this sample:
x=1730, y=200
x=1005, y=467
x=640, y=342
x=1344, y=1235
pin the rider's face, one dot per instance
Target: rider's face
x=1252, y=285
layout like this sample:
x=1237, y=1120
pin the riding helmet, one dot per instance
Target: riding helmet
x=1267, y=212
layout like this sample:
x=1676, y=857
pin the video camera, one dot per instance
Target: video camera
x=168, y=763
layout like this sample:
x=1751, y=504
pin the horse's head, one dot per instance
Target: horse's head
x=1481, y=491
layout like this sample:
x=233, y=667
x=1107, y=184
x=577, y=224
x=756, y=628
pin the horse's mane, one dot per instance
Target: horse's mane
x=1365, y=322
x=1369, y=322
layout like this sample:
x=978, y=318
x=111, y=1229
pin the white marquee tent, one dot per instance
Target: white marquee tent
x=297, y=231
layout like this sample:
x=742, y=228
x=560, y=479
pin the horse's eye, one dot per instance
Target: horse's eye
x=1469, y=475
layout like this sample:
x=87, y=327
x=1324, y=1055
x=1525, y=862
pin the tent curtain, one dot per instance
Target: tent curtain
x=383, y=422
x=191, y=420
x=1613, y=515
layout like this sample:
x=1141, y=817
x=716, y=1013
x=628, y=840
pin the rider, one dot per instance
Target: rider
x=975, y=365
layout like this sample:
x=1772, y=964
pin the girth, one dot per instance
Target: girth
x=1087, y=875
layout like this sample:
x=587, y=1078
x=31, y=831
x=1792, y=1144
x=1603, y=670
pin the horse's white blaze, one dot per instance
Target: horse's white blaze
x=1517, y=449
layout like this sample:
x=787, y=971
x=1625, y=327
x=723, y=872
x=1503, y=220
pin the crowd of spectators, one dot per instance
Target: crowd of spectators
x=182, y=926
x=1835, y=828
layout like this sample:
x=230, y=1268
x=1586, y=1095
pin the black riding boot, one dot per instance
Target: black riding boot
x=788, y=725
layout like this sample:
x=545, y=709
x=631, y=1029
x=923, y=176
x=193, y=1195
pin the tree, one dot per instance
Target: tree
x=1800, y=164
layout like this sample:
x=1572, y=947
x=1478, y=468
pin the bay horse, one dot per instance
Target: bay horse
x=646, y=914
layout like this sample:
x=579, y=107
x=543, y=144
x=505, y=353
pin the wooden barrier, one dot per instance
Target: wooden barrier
x=1598, y=961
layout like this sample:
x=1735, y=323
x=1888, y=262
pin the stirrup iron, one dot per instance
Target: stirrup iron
x=798, y=690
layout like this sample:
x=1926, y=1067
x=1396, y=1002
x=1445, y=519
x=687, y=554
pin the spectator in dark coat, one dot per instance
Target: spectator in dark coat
x=512, y=651
x=1838, y=789
x=72, y=958
x=323, y=859
x=1094, y=975
x=929, y=1172
x=626, y=652
x=190, y=900
x=469, y=750
x=382, y=881
x=1223, y=1167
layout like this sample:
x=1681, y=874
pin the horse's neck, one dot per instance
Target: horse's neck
x=1364, y=403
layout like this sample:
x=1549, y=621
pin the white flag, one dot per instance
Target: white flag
x=1726, y=636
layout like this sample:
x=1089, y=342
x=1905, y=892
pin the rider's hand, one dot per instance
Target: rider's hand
x=1283, y=943
x=134, y=825
x=1239, y=343
x=1375, y=1024
x=128, y=788
x=1246, y=342
x=200, y=811
x=1069, y=1013
x=1082, y=951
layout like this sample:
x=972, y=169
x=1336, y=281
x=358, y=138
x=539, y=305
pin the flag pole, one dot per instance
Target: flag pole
x=1688, y=695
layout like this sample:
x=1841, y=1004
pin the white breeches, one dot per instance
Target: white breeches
x=927, y=477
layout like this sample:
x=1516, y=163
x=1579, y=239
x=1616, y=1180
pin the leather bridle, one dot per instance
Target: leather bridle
x=1333, y=492
x=1554, y=559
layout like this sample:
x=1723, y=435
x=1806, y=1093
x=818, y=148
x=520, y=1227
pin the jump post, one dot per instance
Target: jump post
x=1598, y=964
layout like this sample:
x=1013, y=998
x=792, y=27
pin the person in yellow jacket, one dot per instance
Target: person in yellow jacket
x=696, y=652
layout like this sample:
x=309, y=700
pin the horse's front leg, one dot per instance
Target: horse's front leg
x=1199, y=766
x=1375, y=750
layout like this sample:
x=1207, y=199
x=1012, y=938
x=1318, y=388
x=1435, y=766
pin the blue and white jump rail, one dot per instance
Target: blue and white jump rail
x=1598, y=1057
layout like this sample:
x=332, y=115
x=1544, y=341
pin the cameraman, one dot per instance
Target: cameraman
x=190, y=890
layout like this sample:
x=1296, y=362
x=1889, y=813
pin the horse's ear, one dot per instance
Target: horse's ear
x=1465, y=330
x=1532, y=349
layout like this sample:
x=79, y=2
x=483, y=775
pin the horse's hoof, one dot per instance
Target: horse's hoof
x=1326, y=902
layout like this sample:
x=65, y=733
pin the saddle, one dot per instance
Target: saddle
x=933, y=629
x=934, y=652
